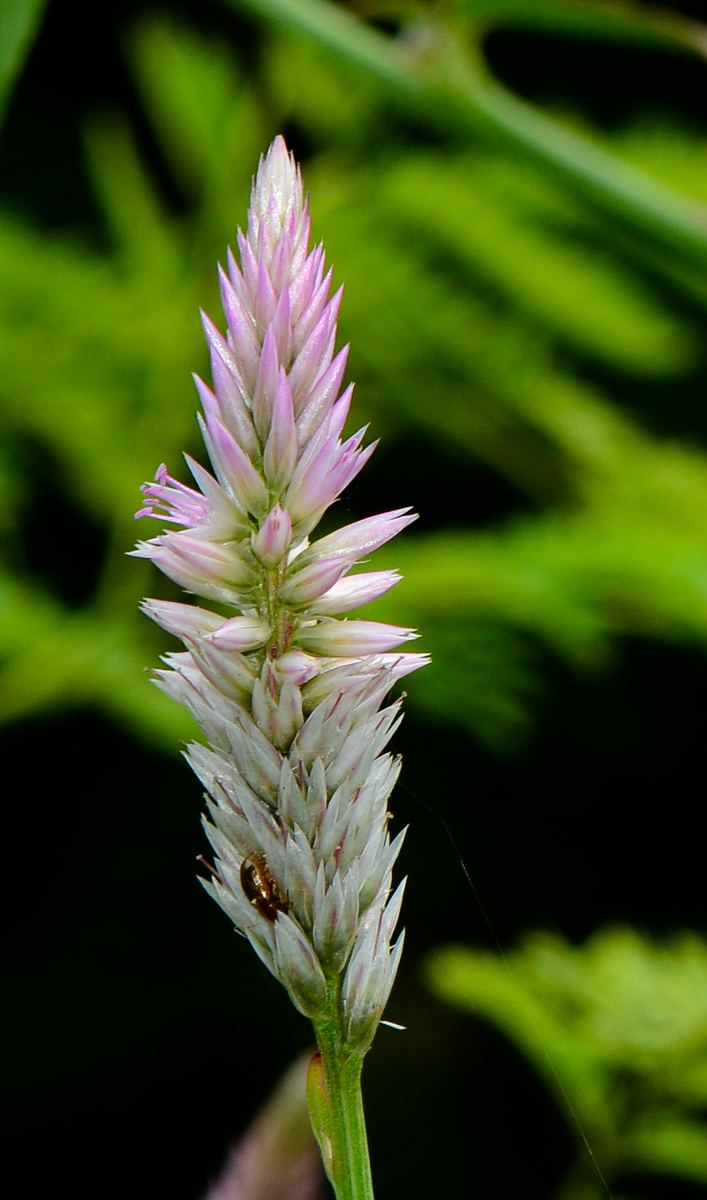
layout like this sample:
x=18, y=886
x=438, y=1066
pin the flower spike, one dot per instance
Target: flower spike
x=287, y=692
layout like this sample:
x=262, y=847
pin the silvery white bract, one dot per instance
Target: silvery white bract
x=287, y=695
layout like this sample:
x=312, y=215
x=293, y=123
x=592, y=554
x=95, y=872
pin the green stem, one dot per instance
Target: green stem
x=336, y=1106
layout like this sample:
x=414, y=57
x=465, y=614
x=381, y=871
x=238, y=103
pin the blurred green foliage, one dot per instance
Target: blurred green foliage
x=617, y=1030
x=487, y=278
x=509, y=273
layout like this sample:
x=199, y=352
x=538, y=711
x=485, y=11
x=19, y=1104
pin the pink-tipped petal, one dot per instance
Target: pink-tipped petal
x=219, y=346
x=282, y=328
x=305, y=282
x=354, y=592
x=301, y=237
x=298, y=667
x=228, y=405
x=241, y=633
x=347, y=638
x=265, y=298
x=249, y=266
x=331, y=470
x=315, y=356
x=243, y=337
x=236, y=277
x=340, y=412
x=272, y=541
x=234, y=469
x=322, y=397
x=307, y=585
x=201, y=567
x=266, y=385
x=401, y=665
x=362, y=537
x=183, y=620
x=280, y=268
x=214, y=559
x=280, y=454
x=313, y=311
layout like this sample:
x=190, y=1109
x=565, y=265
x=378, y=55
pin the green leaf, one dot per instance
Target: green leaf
x=205, y=116
x=610, y=1027
x=663, y=1145
x=582, y=294
x=331, y=100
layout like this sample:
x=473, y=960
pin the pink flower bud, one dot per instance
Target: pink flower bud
x=352, y=637
x=361, y=538
x=241, y=633
x=183, y=620
x=271, y=542
x=313, y=581
x=298, y=667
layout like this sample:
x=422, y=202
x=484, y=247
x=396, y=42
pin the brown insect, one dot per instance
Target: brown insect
x=261, y=889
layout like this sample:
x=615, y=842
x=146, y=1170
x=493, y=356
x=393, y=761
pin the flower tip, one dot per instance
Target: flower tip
x=277, y=181
x=278, y=163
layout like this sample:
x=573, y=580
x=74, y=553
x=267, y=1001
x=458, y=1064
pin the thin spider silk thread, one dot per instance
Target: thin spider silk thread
x=575, y=1119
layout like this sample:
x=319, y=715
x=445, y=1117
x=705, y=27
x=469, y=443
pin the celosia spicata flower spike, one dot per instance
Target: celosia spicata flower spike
x=287, y=694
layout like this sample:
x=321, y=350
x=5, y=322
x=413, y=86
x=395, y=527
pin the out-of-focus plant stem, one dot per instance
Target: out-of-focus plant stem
x=433, y=73
x=19, y=23
x=336, y=1107
x=636, y=24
